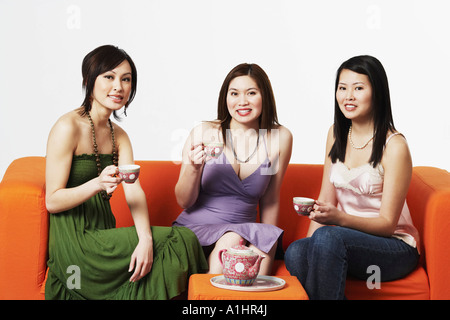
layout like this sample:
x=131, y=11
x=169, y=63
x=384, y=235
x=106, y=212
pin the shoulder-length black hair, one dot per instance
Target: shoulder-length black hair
x=381, y=108
x=268, y=118
x=99, y=61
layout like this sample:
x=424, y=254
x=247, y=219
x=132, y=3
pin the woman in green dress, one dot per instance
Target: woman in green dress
x=88, y=257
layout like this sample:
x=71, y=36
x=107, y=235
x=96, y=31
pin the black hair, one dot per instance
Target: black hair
x=268, y=118
x=381, y=108
x=99, y=61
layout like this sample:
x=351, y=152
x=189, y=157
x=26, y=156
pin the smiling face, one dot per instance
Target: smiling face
x=112, y=88
x=354, y=95
x=244, y=100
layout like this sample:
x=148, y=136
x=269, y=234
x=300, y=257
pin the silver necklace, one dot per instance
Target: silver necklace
x=234, y=152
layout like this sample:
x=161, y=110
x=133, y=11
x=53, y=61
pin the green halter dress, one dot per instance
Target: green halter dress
x=89, y=258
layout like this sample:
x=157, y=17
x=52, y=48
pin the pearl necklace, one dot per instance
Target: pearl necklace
x=351, y=141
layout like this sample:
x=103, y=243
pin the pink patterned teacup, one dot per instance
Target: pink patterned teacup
x=213, y=149
x=129, y=173
x=303, y=206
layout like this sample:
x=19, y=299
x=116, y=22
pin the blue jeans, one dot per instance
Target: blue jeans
x=321, y=263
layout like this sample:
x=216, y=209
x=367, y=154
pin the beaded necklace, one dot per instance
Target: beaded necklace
x=104, y=194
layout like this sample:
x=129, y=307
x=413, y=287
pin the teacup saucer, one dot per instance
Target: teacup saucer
x=262, y=283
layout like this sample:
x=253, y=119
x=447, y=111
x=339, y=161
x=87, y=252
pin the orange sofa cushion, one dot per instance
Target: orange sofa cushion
x=412, y=287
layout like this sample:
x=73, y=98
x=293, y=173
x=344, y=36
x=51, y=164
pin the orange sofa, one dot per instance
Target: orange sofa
x=24, y=225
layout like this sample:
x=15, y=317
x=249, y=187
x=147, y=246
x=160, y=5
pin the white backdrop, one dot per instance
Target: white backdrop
x=183, y=50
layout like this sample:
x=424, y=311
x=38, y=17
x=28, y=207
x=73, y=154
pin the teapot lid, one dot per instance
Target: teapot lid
x=241, y=249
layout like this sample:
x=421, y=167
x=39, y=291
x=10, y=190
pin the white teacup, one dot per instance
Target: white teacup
x=213, y=149
x=129, y=173
x=303, y=206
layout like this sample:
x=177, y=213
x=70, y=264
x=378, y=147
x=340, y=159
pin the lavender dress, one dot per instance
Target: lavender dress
x=227, y=203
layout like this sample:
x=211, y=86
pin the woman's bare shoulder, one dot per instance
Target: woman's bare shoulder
x=283, y=133
x=68, y=123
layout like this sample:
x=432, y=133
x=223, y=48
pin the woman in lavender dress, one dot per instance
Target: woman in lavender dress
x=221, y=195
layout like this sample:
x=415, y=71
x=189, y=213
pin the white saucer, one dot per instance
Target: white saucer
x=262, y=283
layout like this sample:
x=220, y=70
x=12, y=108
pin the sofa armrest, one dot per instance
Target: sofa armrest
x=437, y=239
x=23, y=229
x=429, y=196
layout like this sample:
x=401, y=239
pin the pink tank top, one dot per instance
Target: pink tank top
x=359, y=191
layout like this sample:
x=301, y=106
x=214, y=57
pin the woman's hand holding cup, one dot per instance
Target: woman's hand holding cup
x=197, y=156
x=109, y=179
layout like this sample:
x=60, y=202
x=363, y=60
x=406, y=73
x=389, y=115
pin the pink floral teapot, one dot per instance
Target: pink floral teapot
x=240, y=264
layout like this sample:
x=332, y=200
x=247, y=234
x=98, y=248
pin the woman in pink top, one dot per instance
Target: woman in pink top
x=360, y=221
